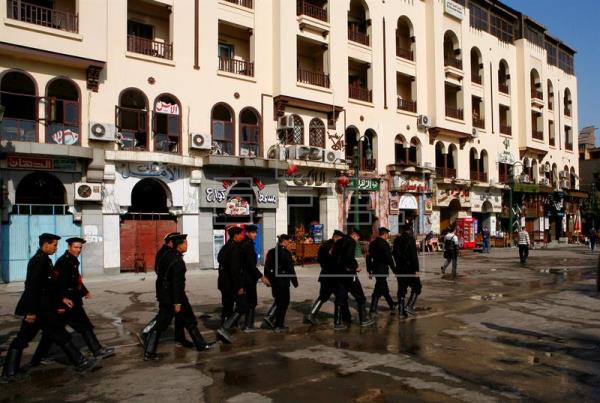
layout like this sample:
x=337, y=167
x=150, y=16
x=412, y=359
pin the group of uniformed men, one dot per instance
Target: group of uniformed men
x=53, y=293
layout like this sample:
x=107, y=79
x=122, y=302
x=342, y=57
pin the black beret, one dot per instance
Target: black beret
x=76, y=239
x=178, y=237
x=46, y=237
x=234, y=231
x=251, y=228
x=169, y=236
x=383, y=230
x=284, y=237
x=357, y=232
x=337, y=232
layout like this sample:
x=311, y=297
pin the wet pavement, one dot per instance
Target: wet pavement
x=499, y=332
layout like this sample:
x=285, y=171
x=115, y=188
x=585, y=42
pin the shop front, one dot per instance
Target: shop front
x=363, y=200
x=452, y=202
x=486, y=205
x=410, y=201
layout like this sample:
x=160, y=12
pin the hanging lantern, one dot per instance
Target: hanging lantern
x=343, y=181
x=292, y=170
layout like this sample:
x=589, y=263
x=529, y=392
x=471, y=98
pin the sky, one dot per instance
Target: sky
x=577, y=24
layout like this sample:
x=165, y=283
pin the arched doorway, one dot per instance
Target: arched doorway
x=40, y=206
x=145, y=224
x=449, y=215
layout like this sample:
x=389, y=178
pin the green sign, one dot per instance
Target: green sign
x=364, y=184
x=526, y=187
x=65, y=164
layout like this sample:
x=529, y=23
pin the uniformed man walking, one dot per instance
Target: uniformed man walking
x=379, y=262
x=252, y=274
x=173, y=300
x=279, y=269
x=71, y=292
x=327, y=278
x=406, y=270
x=39, y=307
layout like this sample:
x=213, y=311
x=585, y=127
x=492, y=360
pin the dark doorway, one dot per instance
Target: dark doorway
x=148, y=196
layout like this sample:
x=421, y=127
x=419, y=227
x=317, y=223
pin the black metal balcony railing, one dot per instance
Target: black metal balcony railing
x=236, y=66
x=313, y=78
x=568, y=112
x=476, y=78
x=46, y=17
x=453, y=62
x=480, y=123
x=445, y=172
x=535, y=94
x=360, y=93
x=243, y=3
x=358, y=36
x=479, y=176
x=503, y=88
x=311, y=10
x=454, y=113
x=149, y=47
x=404, y=53
x=406, y=105
x=538, y=135
x=504, y=129
x=569, y=146
x=12, y=129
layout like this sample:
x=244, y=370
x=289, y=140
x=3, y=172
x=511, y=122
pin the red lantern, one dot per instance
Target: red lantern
x=343, y=181
x=292, y=170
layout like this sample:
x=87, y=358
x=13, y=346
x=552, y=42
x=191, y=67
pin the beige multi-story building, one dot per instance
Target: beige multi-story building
x=126, y=119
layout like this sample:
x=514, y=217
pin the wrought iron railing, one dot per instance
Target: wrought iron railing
x=236, y=66
x=149, y=47
x=360, y=93
x=313, y=78
x=454, y=113
x=406, y=105
x=404, y=53
x=12, y=129
x=445, y=172
x=311, y=10
x=243, y=3
x=44, y=16
x=453, y=62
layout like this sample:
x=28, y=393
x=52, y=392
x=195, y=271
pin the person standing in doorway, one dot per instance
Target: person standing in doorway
x=524, y=242
x=486, y=239
x=451, y=246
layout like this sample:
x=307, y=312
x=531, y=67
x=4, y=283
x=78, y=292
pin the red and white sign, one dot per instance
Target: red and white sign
x=165, y=107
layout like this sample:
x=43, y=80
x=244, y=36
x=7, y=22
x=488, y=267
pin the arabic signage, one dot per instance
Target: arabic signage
x=215, y=194
x=454, y=9
x=445, y=196
x=526, y=187
x=167, y=172
x=409, y=185
x=370, y=184
x=165, y=107
x=505, y=157
x=311, y=178
x=43, y=164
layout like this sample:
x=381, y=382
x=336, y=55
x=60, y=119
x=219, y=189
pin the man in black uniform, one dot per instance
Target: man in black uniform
x=251, y=274
x=407, y=269
x=345, y=260
x=231, y=283
x=279, y=269
x=179, y=328
x=71, y=292
x=379, y=262
x=327, y=277
x=173, y=300
x=39, y=307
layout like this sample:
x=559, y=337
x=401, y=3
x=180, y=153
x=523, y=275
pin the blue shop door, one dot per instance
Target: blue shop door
x=20, y=241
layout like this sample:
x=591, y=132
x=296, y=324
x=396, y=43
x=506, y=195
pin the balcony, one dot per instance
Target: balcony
x=453, y=62
x=360, y=93
x=503, y=88
x=236, y=66
x=313, y=78
x=368, y=165
x=504, y=129
x=535, y=94
x=404, y=53
x=12, y=129
x=503, y=177
x=479, y=176
x=311, y=10
x=480, y=123
x=358, y=36
x=476, y=79
x=242, y=3
x=567, y=112
x=569, y=146
x=149, y=47
x=406, y=105
x=552, y=142
x=43, y=16
x=454, y=113
x=538, y=135
x=445, y=172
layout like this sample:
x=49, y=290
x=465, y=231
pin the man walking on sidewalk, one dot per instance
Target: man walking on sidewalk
x=379, y=262
x=249, y=260
x=407, y=269
x=279, y=269
x=524, y=243
x=451, y=246
x=486, y=240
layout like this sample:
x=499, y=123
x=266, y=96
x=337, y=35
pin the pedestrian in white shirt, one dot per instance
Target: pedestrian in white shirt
x=524, y=242
x=451, y=250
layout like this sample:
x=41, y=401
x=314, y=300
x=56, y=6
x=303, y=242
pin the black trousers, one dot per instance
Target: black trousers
x=327, y=289
x=227, y=303
x=381, y=286
x=166, y=313
x=77, y=319
x=405, y=281
x=281, y=294
x=354, y=287
x=51, y=326
x=523, y=252
x=251, y=296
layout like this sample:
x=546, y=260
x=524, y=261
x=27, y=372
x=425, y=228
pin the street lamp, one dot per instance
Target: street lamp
x=356, y=154
x=511, y=183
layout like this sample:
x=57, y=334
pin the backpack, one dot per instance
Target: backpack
x=449, y=247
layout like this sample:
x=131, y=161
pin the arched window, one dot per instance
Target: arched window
x=568, y=102
x=536, y=85
x=414, y=153
x=351, y=141
x=316, y=133
x=445, y=161
x=401, y=151
x=132, y=119
x=358, y=23
x=405, y=40
x=573, y=178
x=550, y=96
x=368, y=151
x=222, y=129
x=18, y=95
x=149, y=196
x=503, y=77
x=452, y=53
x=63, y=113
x=166, y=123
x=295, y=134
x=40, y=193
x=476, y=66
x=249, y=133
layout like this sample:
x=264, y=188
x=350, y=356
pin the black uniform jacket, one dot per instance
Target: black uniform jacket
x=40, y=293
x=326, y=259
x=159, y=255
x=405, y=254
x=70, y=282
x=249, y=262
x=379, y=259
x=171, y=271
x=230, y=268
x=345, y=255
x=279, y=267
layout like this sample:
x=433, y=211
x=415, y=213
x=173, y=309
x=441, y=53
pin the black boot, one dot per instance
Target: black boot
x=412, y=300
x=81, y=363
x=280, y=322
x=143, y=335
x=223, y=332
x=374, y=304
x=41, y=351
x=180, y=336
x=402, y=307
x=346, y=315
x=269, y=319
x=12, y=362
x=311, y=317
x=249, y=323
x=95, y=347
x=364, y=318
x=391, y=303
x=199, y=342
x=151, y=346
x=338, y=324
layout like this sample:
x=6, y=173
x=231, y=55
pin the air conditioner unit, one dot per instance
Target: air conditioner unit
x=563, y=174
x=544, y=181
x=547, y=168
x=424, y=122
x=199, y=141
x=298, y=152
x=428, y=164
x=316, y=154
x=474, y=133
x=334, y=157
x=102, y=131
x=277, y=152
x=285, y=122
x=88, y=191
x=565, y=184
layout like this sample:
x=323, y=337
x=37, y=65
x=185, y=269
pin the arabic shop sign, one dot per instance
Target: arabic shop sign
x=370, y=184
x=216, y=194
x=526, y=187
x=151, y=169
x=40, y=163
